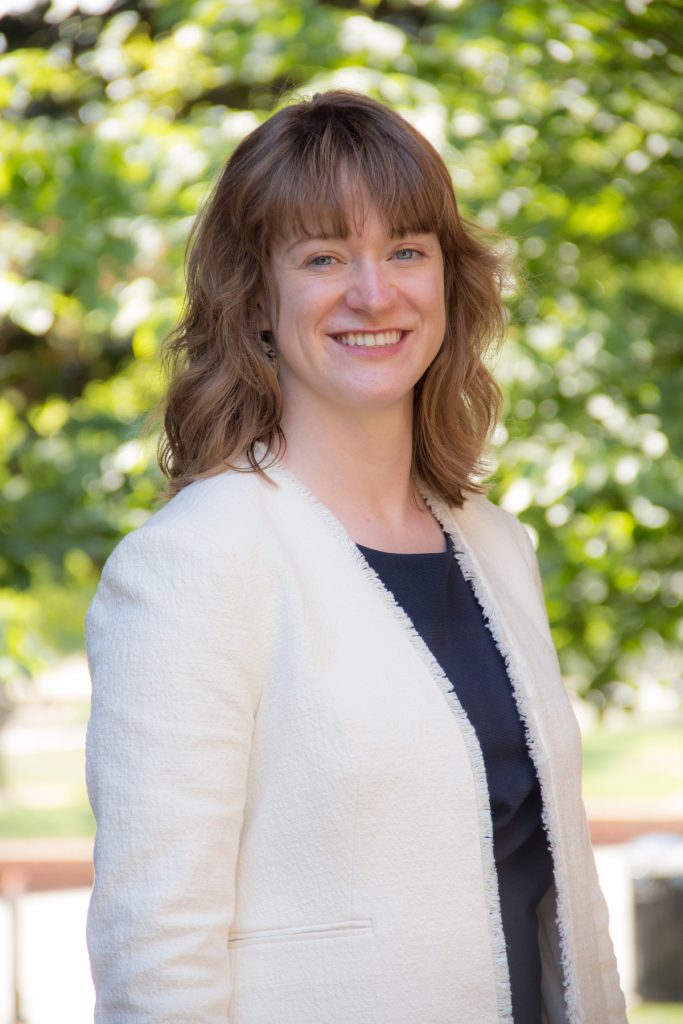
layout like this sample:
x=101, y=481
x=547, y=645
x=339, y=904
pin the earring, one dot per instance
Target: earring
x=269, y=349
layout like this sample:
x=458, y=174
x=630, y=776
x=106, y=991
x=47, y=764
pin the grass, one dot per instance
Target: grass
x=657, y=1013
x=44, y=796
x=67, y=822
x=634, y=763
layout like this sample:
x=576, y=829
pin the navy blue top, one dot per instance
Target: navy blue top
x=441, y=605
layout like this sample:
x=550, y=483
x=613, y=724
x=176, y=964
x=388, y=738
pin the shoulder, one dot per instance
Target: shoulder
x=177, y=607
x=502, y=546
x=203, y=545
x=485, y=523
x=218, y=516
x=196, y=575
x=228, y=505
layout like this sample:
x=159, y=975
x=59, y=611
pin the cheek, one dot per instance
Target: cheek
x=434, y=303
x=437, y=314
x=301, y=306
x=433, y=286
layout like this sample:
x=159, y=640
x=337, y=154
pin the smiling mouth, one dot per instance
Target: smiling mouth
x=365, y=339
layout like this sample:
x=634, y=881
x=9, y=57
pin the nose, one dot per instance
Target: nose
x=370, y=287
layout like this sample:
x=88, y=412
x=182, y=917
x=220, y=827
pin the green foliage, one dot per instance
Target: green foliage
x=561, y=123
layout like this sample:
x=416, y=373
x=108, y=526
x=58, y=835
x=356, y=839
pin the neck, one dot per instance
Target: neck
x=360, y=466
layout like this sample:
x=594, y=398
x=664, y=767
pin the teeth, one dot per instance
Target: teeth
x=370, y=340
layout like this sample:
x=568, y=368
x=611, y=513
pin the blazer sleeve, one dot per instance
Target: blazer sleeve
x=174, y=697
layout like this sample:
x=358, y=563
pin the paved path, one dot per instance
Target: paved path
x=54, y=975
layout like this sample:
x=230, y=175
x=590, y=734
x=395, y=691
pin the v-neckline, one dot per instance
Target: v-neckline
x=417, y=556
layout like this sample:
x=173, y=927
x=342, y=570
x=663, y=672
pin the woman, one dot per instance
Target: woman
x=335, y=774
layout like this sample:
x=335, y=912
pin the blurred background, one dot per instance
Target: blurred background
x=561, y=125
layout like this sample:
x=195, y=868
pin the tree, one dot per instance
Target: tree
x=561, y=124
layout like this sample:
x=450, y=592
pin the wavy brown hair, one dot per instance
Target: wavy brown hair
x=286, y=177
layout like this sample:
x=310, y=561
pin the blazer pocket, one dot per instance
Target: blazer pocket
x=297, y=933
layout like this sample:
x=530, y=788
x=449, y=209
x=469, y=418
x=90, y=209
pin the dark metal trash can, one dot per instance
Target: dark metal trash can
x=659, y=937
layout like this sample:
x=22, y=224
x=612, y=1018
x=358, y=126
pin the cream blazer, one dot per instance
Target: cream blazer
x=293, y=823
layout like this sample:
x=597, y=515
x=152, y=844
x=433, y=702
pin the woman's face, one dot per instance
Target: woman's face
x=360, y=319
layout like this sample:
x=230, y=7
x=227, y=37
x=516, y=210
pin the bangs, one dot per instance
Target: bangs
x=335, y=175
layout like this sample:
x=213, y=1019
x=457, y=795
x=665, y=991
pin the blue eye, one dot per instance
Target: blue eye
x=320, y=261
x=406, y=254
